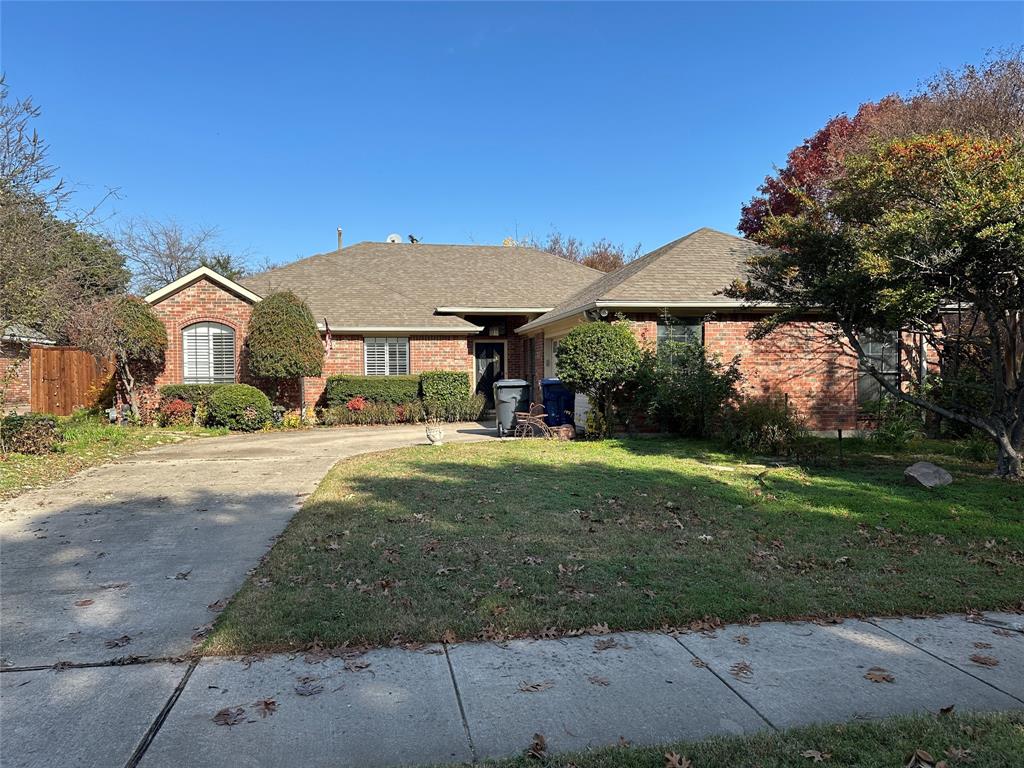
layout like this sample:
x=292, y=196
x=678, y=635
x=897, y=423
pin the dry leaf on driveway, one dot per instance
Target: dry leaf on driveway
x=229, y=716
x=879, y=675
x=83, y=603
x=605, y=644
x=118, y=642
x=266, y=707
x=984, y=661
x=700, y=663
x=816, y=756
x=741, y=670
x=218, y=605
x=742, y=639
x=598, y=680
x=538, y=749
x=526, y=687
x=674, y=760
x=309, y=686
x=982, y=646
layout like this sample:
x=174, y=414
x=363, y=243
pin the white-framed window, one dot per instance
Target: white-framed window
x=208, y=353
x=883, y=351
x=386, y=356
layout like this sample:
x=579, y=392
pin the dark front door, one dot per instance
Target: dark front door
x=490, y=366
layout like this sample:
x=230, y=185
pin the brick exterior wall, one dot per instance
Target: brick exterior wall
x=200, y=302
x=819, y=378
x=19, y=388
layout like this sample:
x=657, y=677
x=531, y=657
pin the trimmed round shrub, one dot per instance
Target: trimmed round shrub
x=239, y=407
x=444, y=388
x=34, y=433
x=193, y=394
x=282, y=339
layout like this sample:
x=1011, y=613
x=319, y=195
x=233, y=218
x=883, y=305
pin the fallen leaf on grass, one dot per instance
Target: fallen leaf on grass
x=538, y=749
x=958, y=753
x=815, y=756
x=448, y=636
x=218, y=605
x=598, y=629
x=309, y=686
x=229, y=716
x=879, y=675
x=83, y=603
x=597, y=680
x=741, y=670
x=118, y=642
x=920, y=759
x=525, y=687
x=674, y=760
x=946, y=711
x=984, y=661
x=266, y=707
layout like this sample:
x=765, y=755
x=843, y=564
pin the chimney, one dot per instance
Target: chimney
x=339, y=238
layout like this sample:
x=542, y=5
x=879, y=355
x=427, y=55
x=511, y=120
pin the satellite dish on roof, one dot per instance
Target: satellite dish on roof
x=393, y=238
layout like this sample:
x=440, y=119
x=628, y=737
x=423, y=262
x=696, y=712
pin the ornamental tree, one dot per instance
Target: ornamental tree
x=283, y=340
x=599, y=360
x=908, y=231
x=127, y=329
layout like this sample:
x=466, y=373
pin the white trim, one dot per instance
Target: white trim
x=395, y=329
x=199, y=274
x=30, y=341
x=627, y=305
x=492, y=310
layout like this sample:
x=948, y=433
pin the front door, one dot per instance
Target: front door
x=490, y=366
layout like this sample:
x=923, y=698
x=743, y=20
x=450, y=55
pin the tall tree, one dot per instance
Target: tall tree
x=160, y=252
x=907, y=231
x=601, y=254
x=985, y=100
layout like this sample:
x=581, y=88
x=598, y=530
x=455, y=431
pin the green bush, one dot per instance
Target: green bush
x=282, y=339
x=765, y=425
x=239, y=407
x=376, y=389
x=372, y=413
x=194, y=394
x=600, y=360
x=35, y=433
x=898, y=423
x=444, y=388
x=686, y=390
x=469, y=408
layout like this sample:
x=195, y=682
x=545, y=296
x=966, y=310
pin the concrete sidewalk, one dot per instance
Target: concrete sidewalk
x=470, y=701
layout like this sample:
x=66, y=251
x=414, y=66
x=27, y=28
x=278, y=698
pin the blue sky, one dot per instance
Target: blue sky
x=458, y=122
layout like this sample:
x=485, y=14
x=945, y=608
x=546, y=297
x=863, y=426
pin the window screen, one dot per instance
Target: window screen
x=208, y=351
x=680, y=329
x=386, y=356
x=883, y=351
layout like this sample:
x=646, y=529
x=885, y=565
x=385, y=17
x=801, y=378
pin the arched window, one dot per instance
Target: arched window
x=208, y=353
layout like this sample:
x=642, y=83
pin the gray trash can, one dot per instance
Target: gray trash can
x=510, y=395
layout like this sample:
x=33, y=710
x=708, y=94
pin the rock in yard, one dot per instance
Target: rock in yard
x=927, y=475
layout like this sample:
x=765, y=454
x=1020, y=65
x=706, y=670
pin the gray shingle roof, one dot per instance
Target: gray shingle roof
x=692, y=269
x=399, y=285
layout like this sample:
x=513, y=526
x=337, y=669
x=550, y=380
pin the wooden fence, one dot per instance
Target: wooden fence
x=66, y=378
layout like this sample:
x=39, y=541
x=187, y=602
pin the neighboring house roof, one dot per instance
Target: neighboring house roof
x=382, y=287
x=199, y=274
x=24, y=335
x=688, y=272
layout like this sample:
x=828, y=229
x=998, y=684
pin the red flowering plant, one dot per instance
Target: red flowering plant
x=356, y=403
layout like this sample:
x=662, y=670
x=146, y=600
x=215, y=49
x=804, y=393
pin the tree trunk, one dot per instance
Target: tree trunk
x=128, y=381
x=1008, y=465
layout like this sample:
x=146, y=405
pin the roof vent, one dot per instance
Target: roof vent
x=393, y=238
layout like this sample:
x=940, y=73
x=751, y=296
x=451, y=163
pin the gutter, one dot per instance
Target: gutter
x=630, y=305
x=425, y=329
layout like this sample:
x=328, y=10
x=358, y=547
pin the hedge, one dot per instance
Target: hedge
x=376, y=389
x=239, y=407
x=440, y=389
x=34, y=433
x=194, y=394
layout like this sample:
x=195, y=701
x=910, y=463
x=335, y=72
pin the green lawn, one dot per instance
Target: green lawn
x=524, y=537
x=88, y=441
x=978, y=741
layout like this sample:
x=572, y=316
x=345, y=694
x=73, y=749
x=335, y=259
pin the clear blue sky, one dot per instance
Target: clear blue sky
x=461, y=122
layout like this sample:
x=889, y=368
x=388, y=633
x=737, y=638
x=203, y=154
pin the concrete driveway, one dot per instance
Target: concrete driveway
x=123, y=560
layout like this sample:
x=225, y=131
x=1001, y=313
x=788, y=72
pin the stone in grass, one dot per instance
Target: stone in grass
x=927, y=475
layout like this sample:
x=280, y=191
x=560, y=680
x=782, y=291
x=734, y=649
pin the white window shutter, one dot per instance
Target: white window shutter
x=208, y=353
x=376, y=357
x=386, y=356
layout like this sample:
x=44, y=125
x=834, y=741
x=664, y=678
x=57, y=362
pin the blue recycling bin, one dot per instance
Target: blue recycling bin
x=558, y=402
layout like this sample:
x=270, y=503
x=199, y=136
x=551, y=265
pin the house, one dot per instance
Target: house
x=498, y=311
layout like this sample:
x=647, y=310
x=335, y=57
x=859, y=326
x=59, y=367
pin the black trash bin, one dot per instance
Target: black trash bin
x=510, y=395
x=559, y=401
